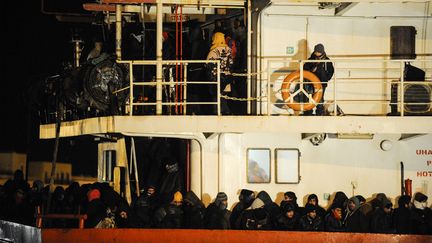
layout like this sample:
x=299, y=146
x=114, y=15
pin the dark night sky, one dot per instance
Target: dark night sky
x=34, y=46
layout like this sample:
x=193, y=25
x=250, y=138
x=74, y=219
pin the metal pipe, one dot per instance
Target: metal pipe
x=402, y=72
x=159, y=12
x=185, y=89
x=218, y=71
x=249, y=54
x=118, y=30
x=181, y=57
x=346, y=17
x=131, y=85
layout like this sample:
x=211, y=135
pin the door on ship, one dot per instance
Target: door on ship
x=162, y=163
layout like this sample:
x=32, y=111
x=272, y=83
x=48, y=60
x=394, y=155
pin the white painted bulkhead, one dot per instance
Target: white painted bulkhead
x=289, y=31
x=332, y=166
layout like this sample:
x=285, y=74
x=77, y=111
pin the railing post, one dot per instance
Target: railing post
x=131, y=97
x=402, y=71
x=301, y=86
x=268, y=89
x=159, y=12
x=249, y=55
x=218, y=73
x=335, y=110
x=185, y=82
x=118, y=15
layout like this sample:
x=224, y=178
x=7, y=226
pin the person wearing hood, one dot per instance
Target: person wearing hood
x=271, y=207
x=311, y=221
x=246, y=198
x=170, y=216
x=96, y=209
x=402, y=215
x=193, y=211
x=355, y=220
x=219, y=50
x=256, y=217
x=291, y=197
x=313, y=199
x=340, y=198
x=288, y=219
x=378, y=200
x=382, y=218
x=217, y=215
x=333, y=220
x=421, y=215
x=365, y=207
x=323, y=70
x=171, y=179
x=144, y=208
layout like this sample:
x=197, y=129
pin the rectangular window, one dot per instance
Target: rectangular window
x=287, y=165
x=258, y=165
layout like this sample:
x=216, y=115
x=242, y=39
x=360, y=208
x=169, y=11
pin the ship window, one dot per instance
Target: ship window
x=287, y=165
x=258, y=165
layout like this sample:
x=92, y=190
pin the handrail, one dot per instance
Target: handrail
x=368, y=83
x=351, y=82
x=40, y=216
x=182, y=82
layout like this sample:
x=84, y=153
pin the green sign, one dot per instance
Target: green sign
x=290, y=50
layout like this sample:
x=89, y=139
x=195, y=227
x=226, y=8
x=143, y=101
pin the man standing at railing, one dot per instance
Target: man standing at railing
x=323, y=70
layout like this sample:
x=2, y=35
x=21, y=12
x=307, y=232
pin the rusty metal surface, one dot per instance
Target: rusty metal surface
x=228, y=236
x=18, y=233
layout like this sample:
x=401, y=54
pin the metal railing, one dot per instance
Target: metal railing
x=358, y=87
x=368, y=87
x=182, y=83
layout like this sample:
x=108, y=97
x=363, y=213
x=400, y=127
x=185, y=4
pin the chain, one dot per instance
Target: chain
x=242, y=99
x=245, y=74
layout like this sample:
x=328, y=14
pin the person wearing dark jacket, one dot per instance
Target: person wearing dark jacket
x=194, y=210
x=96, y=210
x=171, y=215
x=421, y=215
x=311, y=221
x=313, y=199
x=339, y=199
x=382, y=218
x=217, y=215
x=246, y=198
x=290, y=197
x=144, y=208
x=271, y=207
x=355, y=221
x=402, y=215
x=288, y=219
x=323, y=70
x=365, y=207
x=333, y=220
x=256, y=217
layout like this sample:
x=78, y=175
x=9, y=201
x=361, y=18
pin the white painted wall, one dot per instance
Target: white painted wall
x=363, y=30
x=327, y=168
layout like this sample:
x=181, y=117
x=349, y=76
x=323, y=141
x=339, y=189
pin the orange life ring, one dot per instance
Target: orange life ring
x=310, y=77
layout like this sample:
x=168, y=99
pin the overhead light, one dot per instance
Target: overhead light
x=386, y=145
x=355, y=135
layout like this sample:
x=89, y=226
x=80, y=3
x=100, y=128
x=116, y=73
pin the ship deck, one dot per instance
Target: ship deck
x=240, y=124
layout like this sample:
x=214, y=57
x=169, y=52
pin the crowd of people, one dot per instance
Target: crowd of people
x=105, y=208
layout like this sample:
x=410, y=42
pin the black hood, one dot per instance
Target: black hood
x=340, y=197
x=193, y=199
x=246, y=197
x=264, y=196
x=404, y=200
